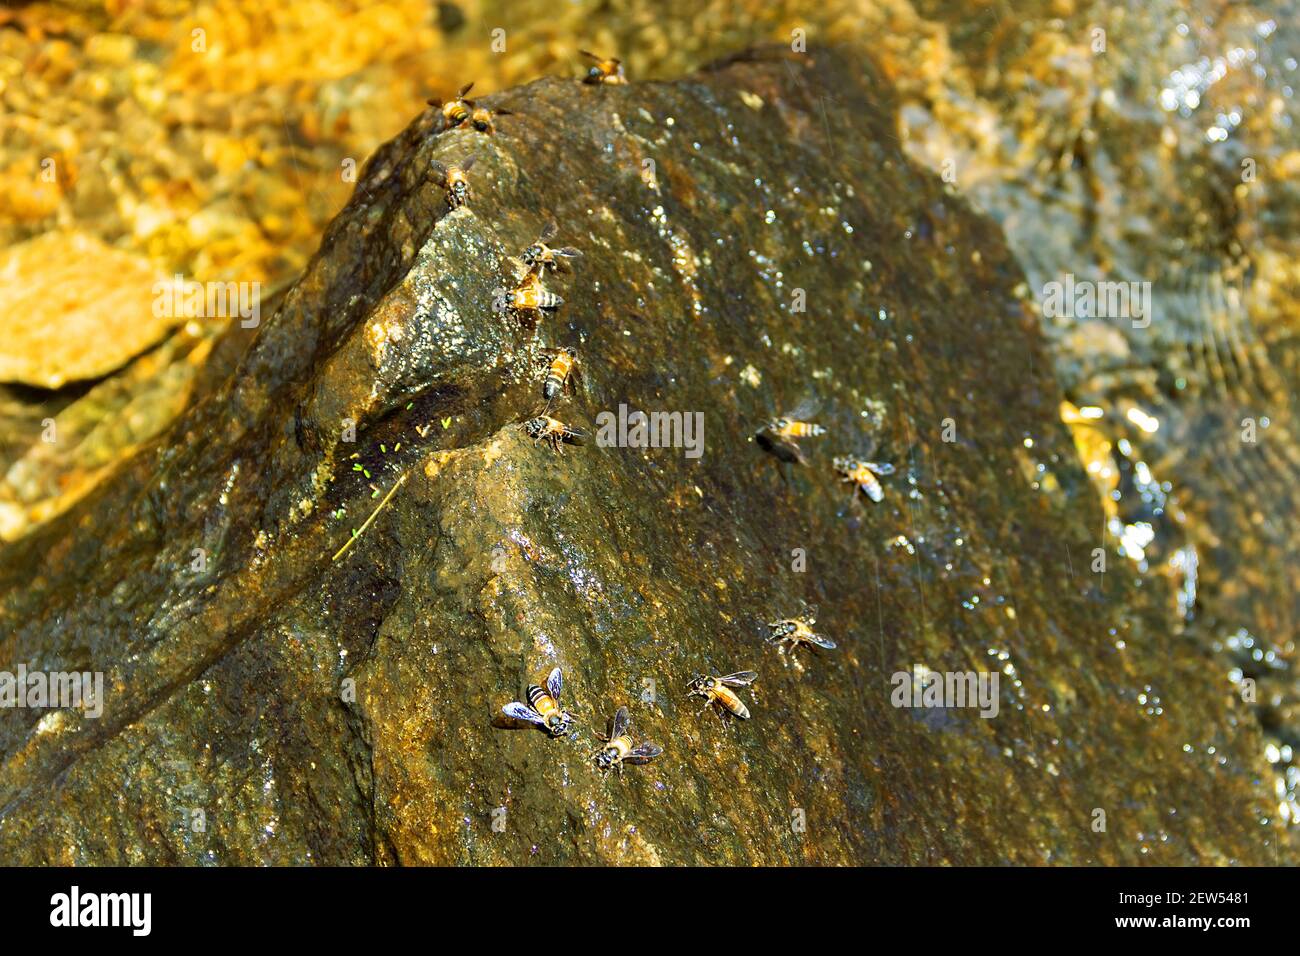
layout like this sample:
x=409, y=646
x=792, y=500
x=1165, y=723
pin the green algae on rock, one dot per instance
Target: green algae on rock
x=749, y=235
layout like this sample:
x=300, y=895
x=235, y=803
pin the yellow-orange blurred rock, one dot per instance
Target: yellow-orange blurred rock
x=73, y=308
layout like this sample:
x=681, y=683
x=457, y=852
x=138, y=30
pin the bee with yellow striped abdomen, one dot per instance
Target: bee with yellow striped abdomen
x=563, y=365
x=798, y=631
x=456, y=110
x=862, y=474
x=539, y=256
x=780, y=435
x=543, y=707
x=530, y=296
x=717, y=692
x=619, y=747
x=608, y=72
x=454, y=180
x=543, y=428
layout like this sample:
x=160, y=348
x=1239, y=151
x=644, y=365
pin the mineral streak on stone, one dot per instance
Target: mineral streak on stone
x=345, y=711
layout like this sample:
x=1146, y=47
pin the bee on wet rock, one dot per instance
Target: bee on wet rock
x=609, y=72
x=563, y=365
x=544, y=428
x=780, y=435
x=798, y=631
x=539, y=256
x=862, y=474
x=481, y=118
x=717, y=692
x=619, y=748
x=453, y=178
x=543, y=707
x=455, y=111
x=530, y=296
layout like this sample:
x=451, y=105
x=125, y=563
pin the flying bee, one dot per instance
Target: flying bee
x=563, y=365
x=453, y=178
x=618, y=748
x=531, y=296
x=863, y=474
x=481, y=118
x=455, y=111
x=717, y=692
x=779, y=435
x=539, y=257
x=543, y=428
x=543, y=707
x=798, y=630
x=609, y=72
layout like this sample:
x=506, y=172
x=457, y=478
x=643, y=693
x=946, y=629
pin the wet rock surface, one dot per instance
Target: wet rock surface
x=343, y=708
x=1157, y=146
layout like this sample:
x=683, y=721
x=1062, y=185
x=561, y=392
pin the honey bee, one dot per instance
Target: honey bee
x=454, y=179
x=863, y=474
x=543, y=428
x=778, y=436
x=717, y=692
x=604, y=71
x=531, y=296
x=562, y=366
x=539, y=257
x=618, y=748
x=798, y=630
x=543, y=707
x=454, y=111
x=481, y=118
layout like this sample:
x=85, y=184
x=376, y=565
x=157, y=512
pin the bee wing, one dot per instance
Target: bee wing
x=502, y=111
x=575, y=436
x=523, y=712
x=435, y=103
x=881, y=467
x=643, y=753
x=463, y=90
x=467, y=163
x=555, y=684
x=620, y=723
x=804, y=410
x=439, y=170
x=568, y=252
x=548, y=231
x=589, y=55
x=740, y=678
x=874, y=492
x=820, y=641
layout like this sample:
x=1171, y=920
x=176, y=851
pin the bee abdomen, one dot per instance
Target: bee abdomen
x=733, y=703
x=540, y=700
